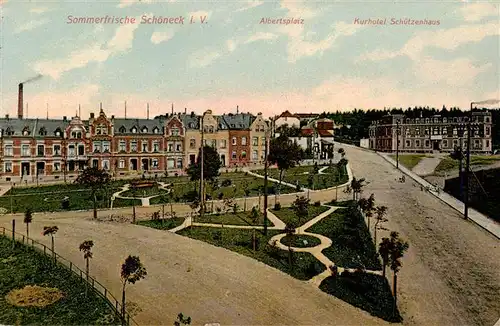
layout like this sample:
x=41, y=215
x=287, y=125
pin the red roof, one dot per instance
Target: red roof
x=287, y=114
x=306, y=132
x=324, y=133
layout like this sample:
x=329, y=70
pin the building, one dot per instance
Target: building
x=286, y=118
x=436, y=133
x=258, y=130
x=317, y=137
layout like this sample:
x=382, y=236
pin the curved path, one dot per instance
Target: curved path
x=207, y=283
x=144, y=200
x=451, y=272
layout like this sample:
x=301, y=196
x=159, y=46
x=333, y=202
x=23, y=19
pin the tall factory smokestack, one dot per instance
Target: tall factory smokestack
x=20, y=103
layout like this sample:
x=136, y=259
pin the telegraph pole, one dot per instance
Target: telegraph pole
x=202, y=188
x=397, y=144
x=467, y=166
x=266, y=149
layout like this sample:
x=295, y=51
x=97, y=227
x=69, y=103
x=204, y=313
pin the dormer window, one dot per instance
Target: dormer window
x=9, y=132
x=101, y=129
x=43, y=131
x=77, y=134
x=156, y=130
x=144, y=130
x=122, y=129
x=134, y=130
x=58, y=132
x=174, y=131
x=191, y=125
x=26, y=131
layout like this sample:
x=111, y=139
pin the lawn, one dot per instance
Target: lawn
x=352, y=245
x=25, y=266
x=48, y=198
x=448, y=163
x=409, y=160
x=144, y=192
x=300, y=175
x=240, y=218
x=288, y=215
x=369, y=292
x=300, y=241
x=162, y=224
x=305, y=266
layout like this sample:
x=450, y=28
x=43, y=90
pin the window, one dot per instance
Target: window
x=121, y=164
x=255, y=141
x=105, y=164
x=96, y=145
x=122, y=129
x=233, y=155
x=8, y=166
x=106, y=146
x=174, y=131
x=76, y=134
x=156, y=146
x=213, y=143
x=234, y=140
x=223, y=143
x=445, y=131
x=170, y=163
x=178, y=147
x=263, y=140
x=179, y=163
x=255, y=156
x=144, y=130
x=101, y=130
x=417, y=143
x=487, y=143
x=122, y=146
x=211, y=129
x=40, y=150
x=192, y=143
x=9, y=132
x=487, y=131
x=154, y=163
x=25, y=150
x=144, y=145
x=427, y=143
x=42, y=131
x=71, y=150
x=170, y=146
x=408, y=143
x=156, y=130
x=58, y=132
x=57, y=166
x=133, y=146
x=9, y=150
x=134, y=130
x=26, y=131
x=445, y=143
x=95, y=163
x=243, y=141
x=243, y=154
x=426, y=131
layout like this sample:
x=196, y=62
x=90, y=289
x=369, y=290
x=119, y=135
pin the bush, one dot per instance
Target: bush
x=220, y=196
x=226, y=182
x=65, y=203
x=317, y=203
x=277, y=206
x=190, y=196
x=298, y=188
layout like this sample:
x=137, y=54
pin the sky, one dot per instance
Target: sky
x=324, y=59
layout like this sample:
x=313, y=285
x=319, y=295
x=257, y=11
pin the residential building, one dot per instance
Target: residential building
x=286, y=118
x=258, y=130
x=429, y=134
x=239, y=138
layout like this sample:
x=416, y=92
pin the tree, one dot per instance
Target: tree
x=246, y=189
x=357, y=187
x=86, y=247
x=50, y=230
x=301, y=207
x=285, y=154
x=341, y=151
x=380, y=213
x=367, y=205
x=181, y=320
x=95, y=179
x=290, y=231
x=397, y=249
x=28, y=218
x=384, y=250
x=211, y=165
x=315, y=171
x=342, y=164
x=131, y=272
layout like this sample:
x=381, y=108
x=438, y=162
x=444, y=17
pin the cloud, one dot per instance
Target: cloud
x=30, y=25
x=200, y=13
x=297, y=8
x=39, y=10
x=159, y=37
x=231, y=45
x=96, y=52
x=250, y=4
x=261, y=36
x=458, y=72
x=127, y=3
x=448, y=39
x=203, y=58
x=473, y=12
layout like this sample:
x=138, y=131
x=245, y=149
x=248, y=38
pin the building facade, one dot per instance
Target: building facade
x=436, y=133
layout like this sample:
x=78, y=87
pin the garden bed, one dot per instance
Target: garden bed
x=163, y=223
x=289, y=216
x=297, y=241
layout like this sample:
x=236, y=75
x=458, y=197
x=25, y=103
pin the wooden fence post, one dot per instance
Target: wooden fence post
x=13, y=234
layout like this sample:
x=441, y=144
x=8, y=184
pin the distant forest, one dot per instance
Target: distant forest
x=360, y=120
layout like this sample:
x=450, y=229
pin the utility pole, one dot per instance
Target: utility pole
x=202, y=188
x=460, y=167
x=397, y=144
x=467, y=166
x=266, y=149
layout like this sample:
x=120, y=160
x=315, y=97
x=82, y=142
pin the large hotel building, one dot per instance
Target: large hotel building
x=436, y=133
x=56, y=149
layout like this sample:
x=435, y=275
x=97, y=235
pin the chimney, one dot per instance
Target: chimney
x=7, y=116
x=185, y=110
x=237, y=109
x=92, y=115
x=148, y=112
x=65, y=118
x=20, y=102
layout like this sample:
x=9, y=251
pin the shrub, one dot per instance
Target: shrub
x=277, y=206
x=190, y=196
x=65, y=203
x=298, y=188
x=220, y=196
x=226, y=182
x=155, y=216
x=317, y=203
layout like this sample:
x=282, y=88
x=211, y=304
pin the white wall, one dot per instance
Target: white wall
x=287, y=121
x=365, y=143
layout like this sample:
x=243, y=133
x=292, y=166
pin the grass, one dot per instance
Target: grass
x=352, y=245
x=48, y=198
x=240, y=218
x=300, y=174
x=144, y=192
x=288, y=215
x=448, y=163
x=25, y=266
x=162, y=224
x=369, y=292
x=305, y=266
x=409, y=160
x=297, y=241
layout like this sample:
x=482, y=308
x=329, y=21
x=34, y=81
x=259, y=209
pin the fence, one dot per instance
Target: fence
x=98, y=288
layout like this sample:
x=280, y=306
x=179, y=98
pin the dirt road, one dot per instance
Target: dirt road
x=451, y=274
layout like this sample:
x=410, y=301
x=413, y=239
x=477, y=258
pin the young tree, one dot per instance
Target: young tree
x=290, y=231
x=285, y=154
x=28, y=218
x=310, y=183
x=246, y=189
x=211, y=165
x=315, y=171
x=397, y=249
x=367, y=205
x=50, y=230
x=301, y=207
x=86, y=247
x=131, y=272
x=341, y=151
x=181, y=320
x=384, y=250
x=95, y=179
x=380, y=213
x=357, y=187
